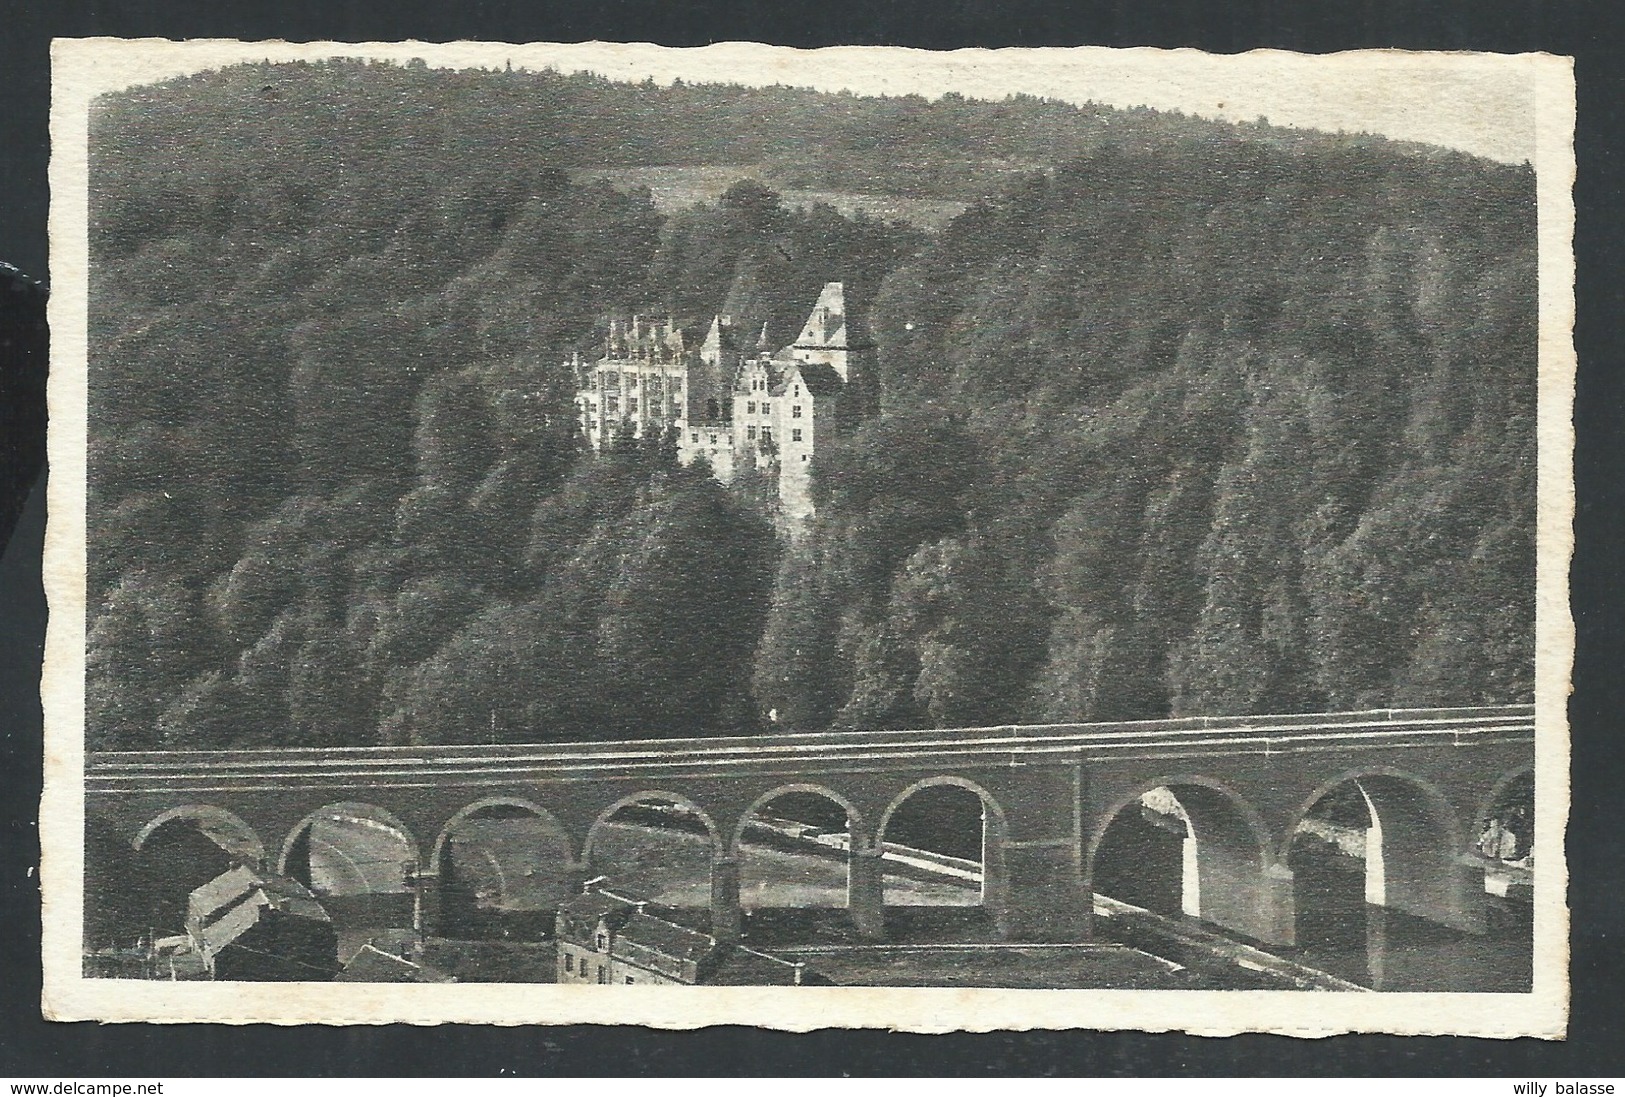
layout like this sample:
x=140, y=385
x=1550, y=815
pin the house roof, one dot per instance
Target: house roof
x=579, y=915
x=374, y=965
x=745, y=967
x=234, y=902
x=222, y=891
x=291, y=897
x=237, y=921
x=667, y=938
x=721, y=335
x=820, y=379
x=240, y=883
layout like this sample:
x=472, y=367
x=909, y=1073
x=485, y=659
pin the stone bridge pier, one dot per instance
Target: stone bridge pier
x=1062, y=813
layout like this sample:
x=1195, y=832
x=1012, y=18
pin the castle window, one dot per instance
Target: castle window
x=804, y=457
x=603, y=942
x=750, y=408
x=612, y=404
x=630, y=980
x=569, y=961
x=795, y=411
x=798, y=393
x=750, y=432
x=694, y=436
x=767, y=435
x=795, y=435
x=713, y=439
x=632, y=403
x=764, y=407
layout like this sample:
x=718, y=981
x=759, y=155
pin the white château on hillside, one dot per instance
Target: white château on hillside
x=737, y=407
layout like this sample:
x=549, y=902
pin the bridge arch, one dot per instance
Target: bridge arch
x=652, y=796
x=491, y=805
x=359, y=812
x=994, y=894
x=1405, y=840
x=499, y=866
x=216, y=822
x=683, y=867
x=799, y=867
x=996, y=814
x=1506, y=789
x=163, y=862
x=1402, y=796
x=854, y=817
x=1221, y=863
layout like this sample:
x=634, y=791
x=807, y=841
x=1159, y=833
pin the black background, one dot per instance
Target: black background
x=1589, y=31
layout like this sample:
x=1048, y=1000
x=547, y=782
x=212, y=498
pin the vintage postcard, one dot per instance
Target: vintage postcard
x=857, y=537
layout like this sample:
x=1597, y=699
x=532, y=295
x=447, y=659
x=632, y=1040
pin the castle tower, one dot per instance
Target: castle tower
x=823, y=337
x=832, y=338
x=737, y=408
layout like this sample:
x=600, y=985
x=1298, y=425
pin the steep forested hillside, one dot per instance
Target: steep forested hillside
x=1187, y=418
x=487, y=121
x=1215, y=429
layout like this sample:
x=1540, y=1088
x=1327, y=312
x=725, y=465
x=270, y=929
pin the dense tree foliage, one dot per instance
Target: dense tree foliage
x=1242, y=430
x=1178, y=417
x=771, y=260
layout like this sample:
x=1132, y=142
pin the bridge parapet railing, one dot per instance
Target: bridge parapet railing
x=1250, y=734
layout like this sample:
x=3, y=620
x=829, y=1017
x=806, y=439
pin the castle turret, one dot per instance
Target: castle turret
x=831, y=338
x=828, y=316
x=719, y=340
x=763, y=409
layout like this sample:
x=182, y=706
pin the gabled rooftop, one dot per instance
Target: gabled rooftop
x=374, y=965
x=819, y=379
x=579, y=915
x=828, y=317
x=667, y=938
x=240, y=883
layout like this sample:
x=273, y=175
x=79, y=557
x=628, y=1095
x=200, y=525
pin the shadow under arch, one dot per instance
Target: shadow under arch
x=1384, y=785
x=218, y=824
x=996, y=816
x=145, y=879
x=995, y=889
x=854, y=817
x=500, y=866
x=1503, y=831
x=487, y=805
x=652, y=796
x=1497, y=794
x=355, y=811
x=1415, y=855
x=1221, y=864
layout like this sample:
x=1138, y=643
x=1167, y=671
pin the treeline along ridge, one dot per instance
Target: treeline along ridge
x=1177, y=417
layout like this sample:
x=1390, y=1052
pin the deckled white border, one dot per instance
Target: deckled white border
x=84, y=68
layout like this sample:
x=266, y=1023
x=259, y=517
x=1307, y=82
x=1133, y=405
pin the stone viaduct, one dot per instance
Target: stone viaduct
x=1049, y=794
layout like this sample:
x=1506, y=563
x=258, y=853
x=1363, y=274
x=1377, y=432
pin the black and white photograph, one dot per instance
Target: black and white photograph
x=863, y=533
